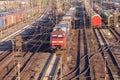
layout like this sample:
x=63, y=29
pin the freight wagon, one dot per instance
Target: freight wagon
x=111, y=18
x=116, y=18
x=1, y=22
x=69, y=17
x=10, y=18
x=68, y=20
x=110, y=5
x=96, y=20
x=59, y=36
x=107, y=18
x=3, y=19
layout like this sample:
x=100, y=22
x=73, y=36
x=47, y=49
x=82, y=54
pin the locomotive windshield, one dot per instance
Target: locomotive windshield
x=57, y=36
x=54, y=36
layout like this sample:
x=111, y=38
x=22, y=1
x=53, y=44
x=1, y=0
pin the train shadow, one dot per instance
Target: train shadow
x=39, y=43
x=6, y=45
x=83, y=20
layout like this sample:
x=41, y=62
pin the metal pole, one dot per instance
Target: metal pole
x=105, y=67
x=61, y=67
x=13, y=51
x=18, y=70
x=56, y=10
x=1, y=34
x=13, y=48
x=18, y=67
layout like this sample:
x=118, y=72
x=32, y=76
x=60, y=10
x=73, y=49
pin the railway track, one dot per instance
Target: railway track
x=50, y=68
x=12, y=65
x=111, y=62
x=82, y=69
x=78, y=62
x=100, y=44
x=14, y=68
x=28, y=63
x=17, y=30
x=11, y=71
x=4, y=54
x=116, y=34
x=76, y=70
x=87, y=65
x=70, y=75
x=117, y=30
x=83, y=72
x=95, y=58
x=24, y=64
x=26, y=60
x=35, y=66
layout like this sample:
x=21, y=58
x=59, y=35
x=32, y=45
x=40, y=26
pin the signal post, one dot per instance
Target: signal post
x=60, y=55
x=18, y=45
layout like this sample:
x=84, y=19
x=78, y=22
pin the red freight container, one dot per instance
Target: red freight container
x=17, y=17
x=1, y=22
x=36, y=9
x=23, y=15
x=8, y=20
x=33, y=11
x=5, y=21
x=13, y=19
x=96, y=21
x=39, y=9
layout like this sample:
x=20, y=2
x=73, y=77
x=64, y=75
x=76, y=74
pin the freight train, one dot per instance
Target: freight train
x=111, y=17
x=10, y=18
x=96, y=20
x=110, y=5
x=107, y=17
x=60, y=35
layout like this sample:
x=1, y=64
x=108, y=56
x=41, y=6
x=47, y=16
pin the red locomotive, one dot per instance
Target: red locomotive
x=58, y=40
x=96, y=21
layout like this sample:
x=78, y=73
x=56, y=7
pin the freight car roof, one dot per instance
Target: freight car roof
x=72, y=8
x=67, y=17
x=61, y=25
x=58, y=32
x=69, y=13
x=94, y=15
x=3, y=14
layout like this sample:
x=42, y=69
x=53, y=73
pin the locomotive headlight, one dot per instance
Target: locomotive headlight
x=53, y=41
x=60, y=41
x=117, y=25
